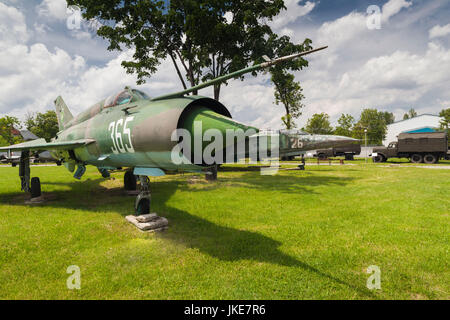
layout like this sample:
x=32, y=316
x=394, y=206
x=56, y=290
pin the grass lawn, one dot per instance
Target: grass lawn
x=296, y=235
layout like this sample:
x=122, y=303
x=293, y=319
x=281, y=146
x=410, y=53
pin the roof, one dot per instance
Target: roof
x=425, y=114
x=28, y=135
x=418, y=135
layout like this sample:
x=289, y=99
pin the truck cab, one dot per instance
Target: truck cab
x=381, y=154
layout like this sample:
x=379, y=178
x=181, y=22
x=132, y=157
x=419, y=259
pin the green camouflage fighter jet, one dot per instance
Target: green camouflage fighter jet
x=131, y=130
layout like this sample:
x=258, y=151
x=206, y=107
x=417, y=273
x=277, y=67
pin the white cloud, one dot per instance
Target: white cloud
x=53, y=8
x=438, y=31
x=392, y=7
x=12, y=26
x=293, y=11
x=401, y=78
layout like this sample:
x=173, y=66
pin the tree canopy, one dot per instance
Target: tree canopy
x=204, y=39
x=7, y=126
x=410, y=114
x=345, y=125
x=43, y=125
x=375, y=123
x=319, y=123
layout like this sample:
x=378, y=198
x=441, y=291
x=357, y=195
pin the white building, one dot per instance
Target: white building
x=422, y=123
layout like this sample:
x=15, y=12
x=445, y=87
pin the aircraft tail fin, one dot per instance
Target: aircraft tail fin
x=62, y=112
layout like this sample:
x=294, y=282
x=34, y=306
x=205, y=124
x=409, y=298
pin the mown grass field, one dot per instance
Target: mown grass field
x=296, y=235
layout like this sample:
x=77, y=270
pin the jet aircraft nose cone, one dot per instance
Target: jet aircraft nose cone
x=206, y=126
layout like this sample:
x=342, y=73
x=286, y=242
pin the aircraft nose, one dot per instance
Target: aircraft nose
x=329, y=141
x=203, y=120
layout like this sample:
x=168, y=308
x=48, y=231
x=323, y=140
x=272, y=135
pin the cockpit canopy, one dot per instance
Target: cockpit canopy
x=124, y=97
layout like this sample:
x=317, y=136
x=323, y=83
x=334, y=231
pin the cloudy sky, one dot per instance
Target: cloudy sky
x=405, y=63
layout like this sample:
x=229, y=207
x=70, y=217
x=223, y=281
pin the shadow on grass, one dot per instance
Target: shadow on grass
x=221, y=242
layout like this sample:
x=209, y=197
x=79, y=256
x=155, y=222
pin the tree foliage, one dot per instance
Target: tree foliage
x=445, y=122
x=7, y=126
x=389, y=117
x=204, y=39
x=319, y=123
x=345, y=125
x=43, y=125
x=288, y=91
x=375, y=123
x=410, y=114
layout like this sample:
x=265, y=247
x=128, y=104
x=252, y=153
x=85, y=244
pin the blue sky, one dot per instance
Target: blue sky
x=403, y=64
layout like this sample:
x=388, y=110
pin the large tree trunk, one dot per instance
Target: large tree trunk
x=216, y=91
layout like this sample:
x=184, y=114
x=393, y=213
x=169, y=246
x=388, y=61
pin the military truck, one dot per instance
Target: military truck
x=348, y=151
x=427, y=147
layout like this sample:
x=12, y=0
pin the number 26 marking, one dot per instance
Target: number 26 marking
x=117, y=138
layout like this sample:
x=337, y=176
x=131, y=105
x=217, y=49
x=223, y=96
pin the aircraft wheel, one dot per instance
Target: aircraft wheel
x=430, y=159
x=143, y=206
x=129, y=180
x=321, y=156
x=35, y=187
x=416, y=158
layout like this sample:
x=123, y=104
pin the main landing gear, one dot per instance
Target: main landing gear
x=142, y=203
x=28, y=184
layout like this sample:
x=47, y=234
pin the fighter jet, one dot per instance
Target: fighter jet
x=131, y=130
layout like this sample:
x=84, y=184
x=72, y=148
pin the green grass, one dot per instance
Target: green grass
x=297, y=235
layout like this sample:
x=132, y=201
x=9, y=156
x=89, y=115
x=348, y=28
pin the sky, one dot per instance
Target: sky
x=401, y=63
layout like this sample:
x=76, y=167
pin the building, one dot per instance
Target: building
x=422, y=123
x=26, y=135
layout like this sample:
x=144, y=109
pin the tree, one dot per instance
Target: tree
x=287, y=90
x=346, y=123
x=43, y=125
x=410, y=114
x=375, y=123
x=204, y=39
x=319, y=123
x=445, y=122
x=389, y=117
x=7, y=126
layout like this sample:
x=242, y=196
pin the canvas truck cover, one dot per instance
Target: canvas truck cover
x=423, y=142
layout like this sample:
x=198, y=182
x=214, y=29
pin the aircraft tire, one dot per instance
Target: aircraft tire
x=349, y=157
x=129, y=180
x=13, y=164
x=35, y=187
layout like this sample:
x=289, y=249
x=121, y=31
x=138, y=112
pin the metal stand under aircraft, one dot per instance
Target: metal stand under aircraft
x=142, y=204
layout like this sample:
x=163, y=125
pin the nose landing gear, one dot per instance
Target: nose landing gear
x=28, y=184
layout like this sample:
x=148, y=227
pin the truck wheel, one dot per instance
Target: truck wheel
x=378, y=159
x=35, y=187
x=416, y=158
x=430, y=159
x=349, y=157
